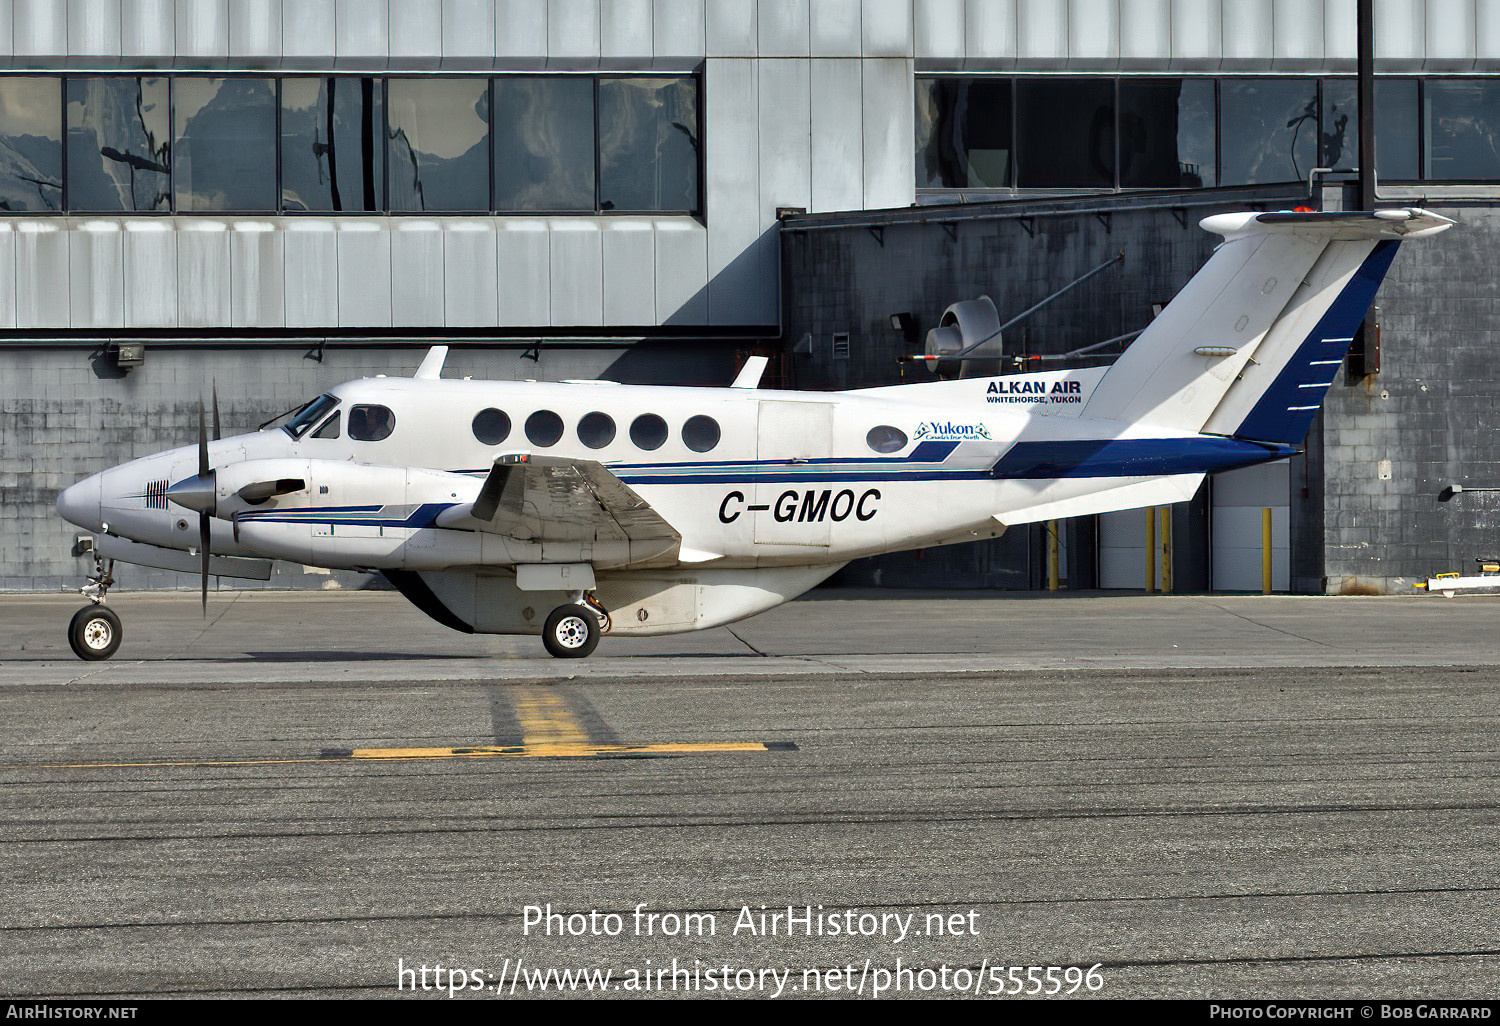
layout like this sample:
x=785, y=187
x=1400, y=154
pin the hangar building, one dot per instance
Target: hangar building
x=276, y=195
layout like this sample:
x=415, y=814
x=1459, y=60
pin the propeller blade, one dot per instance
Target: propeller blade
x=202, y=440
x=217, y=433
x=203, y=521
x=203, y=538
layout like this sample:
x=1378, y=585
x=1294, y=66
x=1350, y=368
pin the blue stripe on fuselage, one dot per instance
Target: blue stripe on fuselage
x=1073, y=458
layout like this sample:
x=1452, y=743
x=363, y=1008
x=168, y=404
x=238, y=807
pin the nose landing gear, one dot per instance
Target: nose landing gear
x=95, y=632
x=572, y=631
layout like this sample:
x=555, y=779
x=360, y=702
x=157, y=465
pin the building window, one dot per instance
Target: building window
x=648, y=431
x=439, y=144
x=964, y=138
x=371, y=423
x=985, y=132
x=30, y=145
x=544, y=428
x=648, y=144
x=350, y=144
x=224, y=144
x=1167, y=135
x=491, y=426
x=119, y=144
x=1463, y=129
x=1396, y=133
x=700, y=434
x=1065, y=134
x=544, y=143
x=330, y=144
x=1270, y=130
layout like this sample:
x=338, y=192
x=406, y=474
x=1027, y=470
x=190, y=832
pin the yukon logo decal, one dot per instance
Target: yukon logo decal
x=1032, y=391
x=947, y=431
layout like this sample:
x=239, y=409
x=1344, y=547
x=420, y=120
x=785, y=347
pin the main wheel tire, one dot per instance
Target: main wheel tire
x=94, y=633
x=571, y=632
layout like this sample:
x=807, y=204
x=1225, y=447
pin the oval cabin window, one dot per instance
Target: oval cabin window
x=491, y=426
x=648, y=431
x=700, y=433
x=544, y=428
x=371, y=423
x=596, y=430
x=884, y=438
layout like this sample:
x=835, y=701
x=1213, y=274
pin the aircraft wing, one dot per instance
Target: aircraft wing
x=554, y=498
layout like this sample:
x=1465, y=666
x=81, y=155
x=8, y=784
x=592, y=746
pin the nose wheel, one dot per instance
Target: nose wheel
x=572, y=631
x=94, y=632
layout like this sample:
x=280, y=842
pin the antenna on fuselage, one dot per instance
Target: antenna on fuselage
x=432, y=364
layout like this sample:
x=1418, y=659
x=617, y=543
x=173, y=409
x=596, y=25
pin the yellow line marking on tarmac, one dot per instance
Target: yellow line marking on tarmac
x=546, y=719
x=549, y=730
x=537, y=751
x=560, y=750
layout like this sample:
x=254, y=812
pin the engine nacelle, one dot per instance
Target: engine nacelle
x=973, y=322
x=352, y=515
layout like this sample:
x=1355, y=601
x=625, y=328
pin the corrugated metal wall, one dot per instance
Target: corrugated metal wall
x=804, y=105
x=807, y=103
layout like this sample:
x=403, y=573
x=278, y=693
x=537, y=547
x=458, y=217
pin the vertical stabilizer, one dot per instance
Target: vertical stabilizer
x=1279, y=298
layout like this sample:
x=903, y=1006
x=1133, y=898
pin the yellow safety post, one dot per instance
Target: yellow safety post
x=1052, y=567
x=1166, y=550
x=1150, y=550
x=1265, y=550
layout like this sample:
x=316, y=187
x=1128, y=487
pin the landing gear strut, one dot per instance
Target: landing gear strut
x=95, y=630
x=572, y=631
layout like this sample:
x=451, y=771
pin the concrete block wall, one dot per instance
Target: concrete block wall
x=60, y=421
x=1430, y=412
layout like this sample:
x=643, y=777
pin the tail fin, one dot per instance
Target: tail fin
x=1249, y=346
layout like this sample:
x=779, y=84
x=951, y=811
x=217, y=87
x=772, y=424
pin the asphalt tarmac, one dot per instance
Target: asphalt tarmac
x=1190, y=796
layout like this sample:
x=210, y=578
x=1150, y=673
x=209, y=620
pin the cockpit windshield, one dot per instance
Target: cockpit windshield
x=309, y=415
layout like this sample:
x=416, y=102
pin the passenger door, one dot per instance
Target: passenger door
x=790, y=437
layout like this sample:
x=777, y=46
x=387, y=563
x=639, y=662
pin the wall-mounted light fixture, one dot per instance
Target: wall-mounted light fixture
x=126, y=355
x=905, y=325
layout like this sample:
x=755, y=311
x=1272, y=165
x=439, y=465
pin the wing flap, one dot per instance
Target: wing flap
x=554, y=498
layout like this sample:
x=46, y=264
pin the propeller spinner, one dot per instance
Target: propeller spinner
x=197, y=493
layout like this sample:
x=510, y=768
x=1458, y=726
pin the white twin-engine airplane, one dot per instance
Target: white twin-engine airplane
x=579, y=508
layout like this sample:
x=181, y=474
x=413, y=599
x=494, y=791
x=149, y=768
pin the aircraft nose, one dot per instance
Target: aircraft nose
x=79, y=504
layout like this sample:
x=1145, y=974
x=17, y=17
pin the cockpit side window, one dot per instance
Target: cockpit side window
x=371, y=423
x=309, y=415
x=330, y=428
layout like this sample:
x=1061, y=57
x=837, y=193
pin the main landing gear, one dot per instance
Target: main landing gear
x=95, y=630
x=572, y=631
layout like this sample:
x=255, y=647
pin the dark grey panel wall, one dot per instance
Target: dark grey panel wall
x=851, y=279
x=1433, y=411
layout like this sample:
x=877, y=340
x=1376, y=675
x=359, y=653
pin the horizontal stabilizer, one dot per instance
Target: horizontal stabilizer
x=1160, y=491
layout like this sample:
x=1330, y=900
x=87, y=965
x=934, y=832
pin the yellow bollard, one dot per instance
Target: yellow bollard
x=1150, y=550
x=1166, y=550
x=1265, y=551
x=1052, y=561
